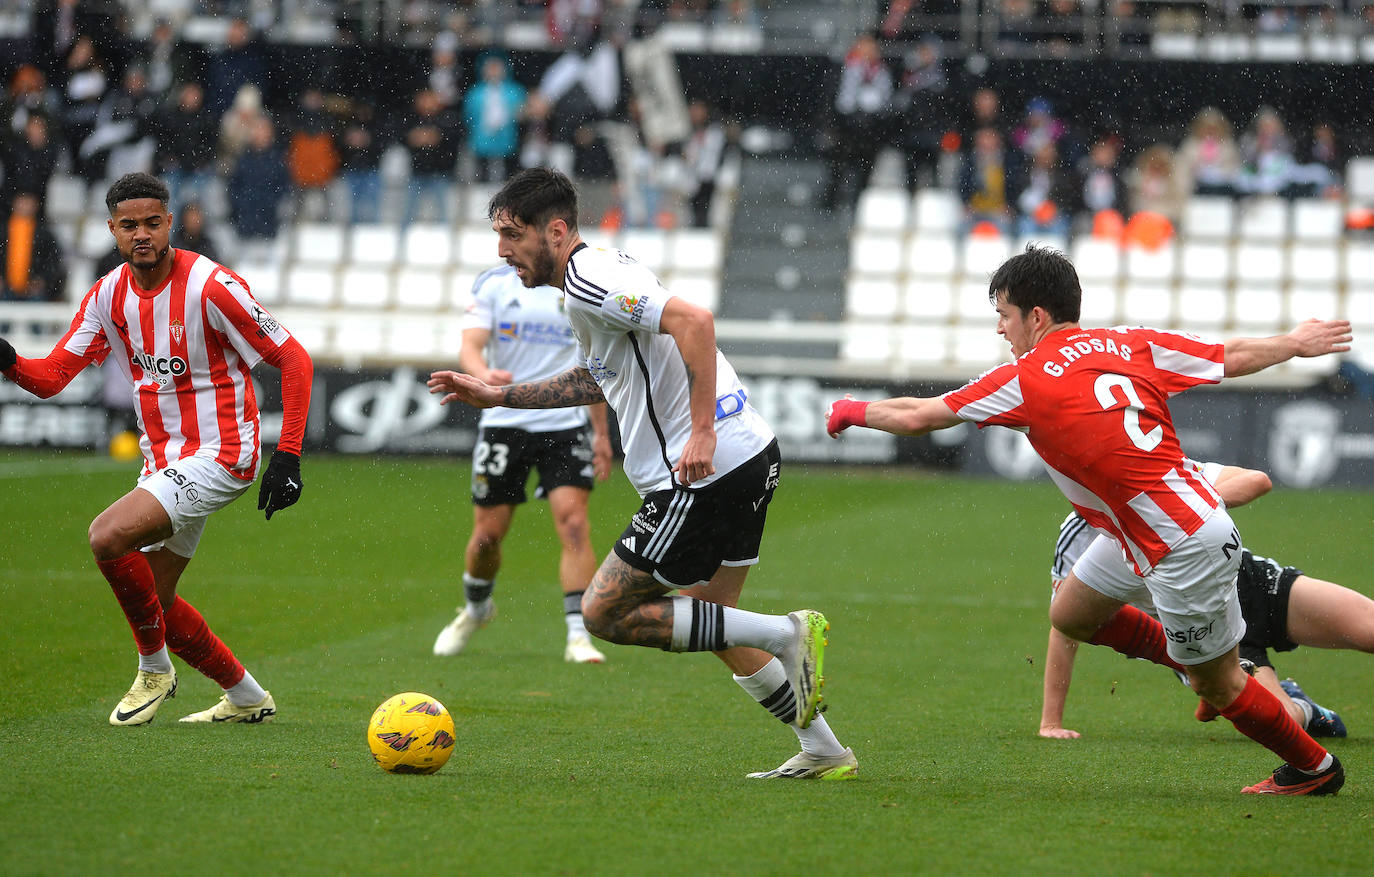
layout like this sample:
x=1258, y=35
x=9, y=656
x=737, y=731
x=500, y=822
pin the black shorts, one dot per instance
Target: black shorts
x=1264, y=586
x=503, y=457
x=682, y=536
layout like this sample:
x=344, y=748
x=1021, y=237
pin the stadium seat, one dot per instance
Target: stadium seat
x=360, y=336
x=412, y=338
x=867, y=343
x=1318, y=219
x=1257, y=309
x=875, y=254
x=80, y=278
x=477, y=247
x=1208, y=217
x=93, y=240
x=1359, y=179
x=923, y=345
x=1203, y=307
x=427, y=245
x=698, y=287
x=1260, y=263
x=310, y=328
x=983, y=255
x=882, y=209
x=648, y=246
x=1320, y=301
x=1263, y=219
x=420, y=289
x=1359, y=308
x=319, y=243
x=938, y=210
x=871, y=298
x=1357, y=264
x=476, y=197
x=971, y=304
x=1315, y=262
x=310, y=286
x=1147, y=303
x=67, y=232
x=1157, y=265
x=976, y=349
x=1204, y=262
x=928, y=300
x=66, y=198
x=1096, y=260
x=1100, y=306
x=931, y=255
x=363, y=288
x=695, y=249
x=376, y=245
x=263, y=279
x=460, y=288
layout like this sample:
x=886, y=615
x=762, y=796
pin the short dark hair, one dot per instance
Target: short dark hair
x=536, y=196
x=1040, y=277
x=136, y=185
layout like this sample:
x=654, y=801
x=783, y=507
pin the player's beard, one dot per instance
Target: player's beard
x=541, y=267
x=151, y=264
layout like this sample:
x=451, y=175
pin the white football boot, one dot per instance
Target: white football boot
x=147, y=694
x=457, y=632
x=813, y=767
x=804, y=661
x=224, y=711
x=581, y=651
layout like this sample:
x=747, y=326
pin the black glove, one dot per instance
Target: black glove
x=281, y=483
x=7, y=355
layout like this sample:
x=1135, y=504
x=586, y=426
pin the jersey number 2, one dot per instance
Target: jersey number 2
x=489, y=459
x=1105, y=387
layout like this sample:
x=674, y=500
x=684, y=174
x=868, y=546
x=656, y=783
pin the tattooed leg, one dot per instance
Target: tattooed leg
x=626, y=606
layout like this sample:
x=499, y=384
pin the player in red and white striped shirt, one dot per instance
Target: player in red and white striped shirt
x=186, y=332
x=1094, y=404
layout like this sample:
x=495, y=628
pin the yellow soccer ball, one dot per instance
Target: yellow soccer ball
x=410, y=733
x=124, y=446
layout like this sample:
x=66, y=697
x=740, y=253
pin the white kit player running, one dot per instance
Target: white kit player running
x=516, y=333
x=702, y=459
x=185, y=332
x=1094, y=404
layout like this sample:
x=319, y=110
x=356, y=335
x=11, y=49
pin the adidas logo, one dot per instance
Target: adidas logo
x=628, y=542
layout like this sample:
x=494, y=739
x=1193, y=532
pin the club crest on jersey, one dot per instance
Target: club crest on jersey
x=178, y=330
x=633, y=305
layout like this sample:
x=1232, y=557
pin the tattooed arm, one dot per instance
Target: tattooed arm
x=693, y=329
x=573, y=387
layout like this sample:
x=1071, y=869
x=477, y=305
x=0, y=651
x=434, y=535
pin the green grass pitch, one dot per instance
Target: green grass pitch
x=936, y=589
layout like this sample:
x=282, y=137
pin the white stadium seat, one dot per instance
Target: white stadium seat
x=1208, y=217
x=364, y=288
x=66, y=198
x=1322, y=302
x=1359, y=308
x=412, y=338
x=871, y=298
x=695, y=249
x=928, y=300
x=867, y=343
x=319, y=243
x=1260, y=263
x=1318, y=219
x=420, y=289
x=1203, y=307
x=1359, y=179
x=983, y=255
x=1314, y=262
x=938, y=210
x=477, y=247
x=648, y=246
x=930, y=254
x=1095, y=259
x=978, y=348
x=882, y=209
x=698, y=287
x=310, y=286
x=373, y=245
x=263, y=279
x=360, y=336
x=925, y=345
x=1157, y=265
x=1264, y=219
x=428, y=245
x=1357, y=264
x=94, y=240
x=1099, y=306
x=972, y=304
x=1204, y=262
x=875, y=254
x=1147, y=303
x=1257, y=309
x=476, y=197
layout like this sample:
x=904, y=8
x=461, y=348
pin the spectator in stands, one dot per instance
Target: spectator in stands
x=1266, y=156
x=29, y=158
x=1016, y=23
x=360, y=150
x=1038, y=128
x=1154, y=184
x=1321, y=172
x=984, y=182
x=191, y=232
x=257, y=184
x=312, y=155
x=862, y=110
x=1046, y=200
x=922, y=110
x=1101, y=184
x=702, y=154
x=57, y=25
x=581, y=88
x=984, y=111
x=186, y=136
x=85, y=88
x=444, y=78
x=122, y=123
x=1061, y=27
x=167, y=60
x=1208, y=160
x=433, y=135
x=239, y=63
x=28, y=93
x=31, y=264
x=492, y=109
x=237, y=127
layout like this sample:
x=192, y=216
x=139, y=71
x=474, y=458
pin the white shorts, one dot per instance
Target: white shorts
x=1193, y=589
x=190, y=489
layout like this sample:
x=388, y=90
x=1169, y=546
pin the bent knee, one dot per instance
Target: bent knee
x=106, y=542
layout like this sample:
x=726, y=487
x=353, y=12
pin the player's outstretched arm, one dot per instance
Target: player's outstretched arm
x=1245, y=356
x=572, y=387
x=1059, y=658
x=900, y=416
x=1238, y=485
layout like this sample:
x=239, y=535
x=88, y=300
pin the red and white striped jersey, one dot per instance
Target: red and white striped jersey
x=187, y=348
x=1094, y=403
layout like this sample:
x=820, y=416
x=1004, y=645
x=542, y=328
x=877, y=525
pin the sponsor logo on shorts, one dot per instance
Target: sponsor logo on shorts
x=1191, y=635
x=771, y=482
x=643, y=521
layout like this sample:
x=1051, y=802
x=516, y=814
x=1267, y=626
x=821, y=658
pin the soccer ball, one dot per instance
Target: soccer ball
x=410, y=733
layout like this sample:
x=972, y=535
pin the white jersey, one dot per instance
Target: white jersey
x=530, y=338
x=615, y=304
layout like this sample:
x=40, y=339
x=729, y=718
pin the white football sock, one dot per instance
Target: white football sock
x=158, y=662
x=247, y=692
x=699, y=626
x=572, y=614
x=1306, y=712
x=477, y=592
x=765, y=687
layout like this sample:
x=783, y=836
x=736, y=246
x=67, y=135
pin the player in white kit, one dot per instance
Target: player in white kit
x=186, y=333
x=514, y=333
x=703, y=460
